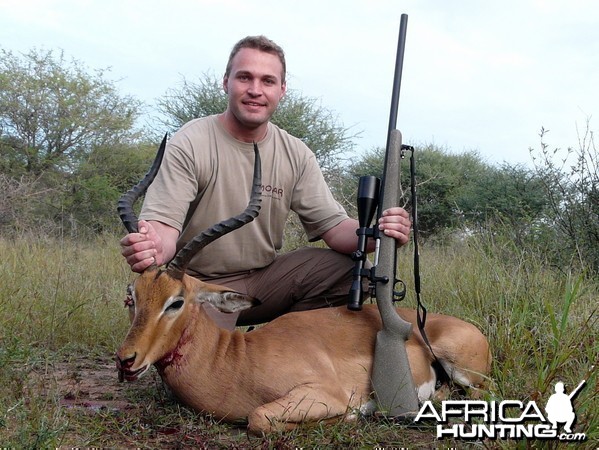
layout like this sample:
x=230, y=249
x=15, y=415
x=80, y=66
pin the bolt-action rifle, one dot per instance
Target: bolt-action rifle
x=391, y=375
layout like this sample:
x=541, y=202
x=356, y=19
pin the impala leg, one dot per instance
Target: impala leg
x=306, y=403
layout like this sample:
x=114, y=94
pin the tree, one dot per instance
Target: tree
x=192, y=100
x=512, y=192
x=53, y=112
x=459, y=190
x=303, y=117
x=106, y=174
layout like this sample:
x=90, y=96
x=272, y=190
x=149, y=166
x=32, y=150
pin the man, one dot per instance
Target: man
x=205, y=178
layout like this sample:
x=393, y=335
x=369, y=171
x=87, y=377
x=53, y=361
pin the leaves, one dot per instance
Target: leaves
x=53, y=112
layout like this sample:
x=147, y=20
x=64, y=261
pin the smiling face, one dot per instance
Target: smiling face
x=255, y=86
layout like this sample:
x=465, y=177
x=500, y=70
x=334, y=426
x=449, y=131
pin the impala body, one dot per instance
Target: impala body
x=302, y=367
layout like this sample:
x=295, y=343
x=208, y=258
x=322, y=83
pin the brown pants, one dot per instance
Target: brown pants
x=303, y=279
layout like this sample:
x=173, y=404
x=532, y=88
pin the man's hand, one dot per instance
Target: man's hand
x=395, y=222
x=153, y=244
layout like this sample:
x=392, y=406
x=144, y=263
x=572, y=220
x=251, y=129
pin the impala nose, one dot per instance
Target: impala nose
x=123, y=365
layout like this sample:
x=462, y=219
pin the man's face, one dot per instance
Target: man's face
x=254, y=86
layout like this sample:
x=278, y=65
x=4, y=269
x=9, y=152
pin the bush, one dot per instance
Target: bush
x=571, y=184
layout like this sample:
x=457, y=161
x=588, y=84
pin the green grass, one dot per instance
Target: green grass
x=59, y=294
x=61, y=306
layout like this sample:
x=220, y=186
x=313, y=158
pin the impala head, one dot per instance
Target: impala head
x=161, y=308
x=163, y=301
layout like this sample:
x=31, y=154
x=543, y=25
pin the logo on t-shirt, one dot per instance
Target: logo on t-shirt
x=272, y=191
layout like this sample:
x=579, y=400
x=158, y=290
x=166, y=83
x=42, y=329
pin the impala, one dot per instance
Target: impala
x=302, y=367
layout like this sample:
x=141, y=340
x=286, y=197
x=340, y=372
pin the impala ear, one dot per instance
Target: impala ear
x=227, y=301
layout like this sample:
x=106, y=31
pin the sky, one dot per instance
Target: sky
x=481, y=76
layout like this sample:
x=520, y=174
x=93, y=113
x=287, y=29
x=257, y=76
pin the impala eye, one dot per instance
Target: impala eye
x=175, y=305
x=129, y=302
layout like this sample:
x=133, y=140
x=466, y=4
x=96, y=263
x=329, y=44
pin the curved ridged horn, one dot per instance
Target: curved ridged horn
x=125, y=205
x=182, y=258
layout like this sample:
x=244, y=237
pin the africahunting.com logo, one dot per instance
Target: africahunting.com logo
x=507, y=419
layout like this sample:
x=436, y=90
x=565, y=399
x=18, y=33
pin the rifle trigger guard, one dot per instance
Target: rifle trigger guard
x=399, y=295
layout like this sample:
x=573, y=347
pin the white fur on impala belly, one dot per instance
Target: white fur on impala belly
x=426, y=390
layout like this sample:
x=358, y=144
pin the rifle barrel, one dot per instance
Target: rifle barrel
x=401, y=43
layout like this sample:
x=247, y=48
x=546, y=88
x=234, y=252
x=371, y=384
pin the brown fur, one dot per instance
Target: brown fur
x=305, y=366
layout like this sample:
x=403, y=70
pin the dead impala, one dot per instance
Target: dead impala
x=301, y=367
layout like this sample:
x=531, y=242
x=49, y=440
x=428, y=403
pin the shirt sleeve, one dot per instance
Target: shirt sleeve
x=314, y=203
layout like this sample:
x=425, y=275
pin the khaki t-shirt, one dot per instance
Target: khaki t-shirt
x=206, y=177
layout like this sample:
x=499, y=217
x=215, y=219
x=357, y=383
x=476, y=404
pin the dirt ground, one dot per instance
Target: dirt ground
x=92, y=384
x=103, y=411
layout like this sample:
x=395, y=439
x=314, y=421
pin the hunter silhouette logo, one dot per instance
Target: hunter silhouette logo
x=506, y=419
x=559, y=406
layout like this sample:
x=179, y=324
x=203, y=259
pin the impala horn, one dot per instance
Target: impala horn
x=179, y=263
x=182, y=258
x=125, y=205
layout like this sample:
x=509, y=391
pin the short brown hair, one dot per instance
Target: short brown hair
x=261, y=43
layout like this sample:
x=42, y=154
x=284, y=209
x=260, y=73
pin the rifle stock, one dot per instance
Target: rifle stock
x=391, y=375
